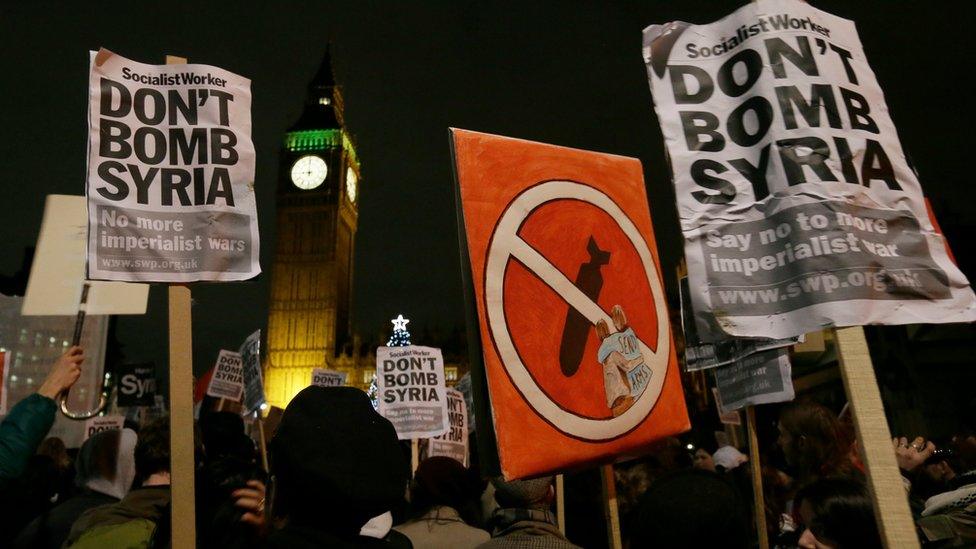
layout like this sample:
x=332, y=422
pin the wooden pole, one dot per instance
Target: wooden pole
x=181, y=417
x=262, y=442
x=758, y=498
x=561, y=503
x=414, y=455
x=182, y=460
x=610, y=511
x=884, y=480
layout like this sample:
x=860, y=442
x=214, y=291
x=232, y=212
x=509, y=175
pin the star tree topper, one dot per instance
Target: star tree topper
x=400, y=323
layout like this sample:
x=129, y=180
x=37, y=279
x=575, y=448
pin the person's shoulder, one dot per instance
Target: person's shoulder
x=291, y=537
x=131, y=533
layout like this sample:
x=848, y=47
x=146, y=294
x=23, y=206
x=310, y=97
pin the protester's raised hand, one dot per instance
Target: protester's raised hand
x=64, y=373
x=251, y=500
x=910, y=456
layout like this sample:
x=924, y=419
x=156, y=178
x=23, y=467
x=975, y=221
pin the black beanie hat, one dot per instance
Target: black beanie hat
x=690, y=508
x=223, y=434
x=337, y=462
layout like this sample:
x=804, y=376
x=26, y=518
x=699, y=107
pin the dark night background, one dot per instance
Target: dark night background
x=568, y=73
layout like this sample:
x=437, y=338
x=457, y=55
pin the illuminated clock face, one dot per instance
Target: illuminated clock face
x=308, y=172
x=352, y=182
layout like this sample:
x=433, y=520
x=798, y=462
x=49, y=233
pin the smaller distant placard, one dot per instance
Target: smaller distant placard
x=761, y=378
x=412, y=393
x=250, y=352
x=137, y=384
x=228, y=377
x=96, y=425
x=453, y=443
x=328, y=378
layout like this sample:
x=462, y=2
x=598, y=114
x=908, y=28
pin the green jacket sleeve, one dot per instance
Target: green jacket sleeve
x=22, y=431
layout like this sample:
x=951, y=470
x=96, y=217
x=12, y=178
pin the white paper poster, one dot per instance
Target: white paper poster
x=227, y=380
x=58, y=270
x=328, y=378
x=453, y=443
x=798, y=207
x=761, y=378
x=170, y=173
x=103, y=423
x=715, y=348
x=412, y=393
x=250, y=352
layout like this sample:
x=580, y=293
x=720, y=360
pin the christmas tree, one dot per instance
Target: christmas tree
x=400, y=337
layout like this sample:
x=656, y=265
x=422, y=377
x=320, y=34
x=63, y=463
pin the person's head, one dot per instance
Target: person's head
x=106, y=462
x=837, y=514
x=701, y=459
x=534, y=493
x=813, y=440
x=964, y=446
x=671, y=454
x=54, y=448
x=728, y=458
x=335, y=461
x=701, y=446
x=222, y=434
x=152, y=449
x=690, y=508
x=441, y=481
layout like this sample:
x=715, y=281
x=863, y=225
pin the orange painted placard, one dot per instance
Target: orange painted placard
x=575, y=334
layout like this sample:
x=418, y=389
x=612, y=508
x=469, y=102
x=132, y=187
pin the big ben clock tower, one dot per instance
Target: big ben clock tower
x=311, y=276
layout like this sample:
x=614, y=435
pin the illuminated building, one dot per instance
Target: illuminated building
x=309, y=322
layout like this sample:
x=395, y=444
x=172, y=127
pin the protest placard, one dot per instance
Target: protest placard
x=170, y=173
x=227, y=380
x=328, y=378
x=566, y=291
x=761, y=378
x=137, y=384
x=250, y=352
x=103, y=423
x=57, y=273
x=716, y=348
x=412, y=395
x=453, y=443
x=463, y=385
x=726, y=418
x=798, y=207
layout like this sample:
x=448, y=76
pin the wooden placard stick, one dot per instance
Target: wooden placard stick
x=181, y=409
x=758, y=499
x=262, y=442
x=414, y=455
x=561, y=503
x=884, y=480
x=610, y=511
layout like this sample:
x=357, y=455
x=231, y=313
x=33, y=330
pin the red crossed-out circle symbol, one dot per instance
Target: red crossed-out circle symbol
x=506, y=244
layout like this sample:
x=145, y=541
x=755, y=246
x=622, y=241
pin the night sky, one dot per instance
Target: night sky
x=567, y=73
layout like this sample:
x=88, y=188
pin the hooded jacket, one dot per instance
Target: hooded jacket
x=21, y=432
x=141, y=519
x=104, y=468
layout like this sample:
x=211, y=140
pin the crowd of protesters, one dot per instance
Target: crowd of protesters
x=341, y=478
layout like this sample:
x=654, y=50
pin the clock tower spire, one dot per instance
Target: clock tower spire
x=311, y=276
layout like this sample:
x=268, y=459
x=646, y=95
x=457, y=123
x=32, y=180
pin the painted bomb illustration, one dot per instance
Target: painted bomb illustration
x=625, y=374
